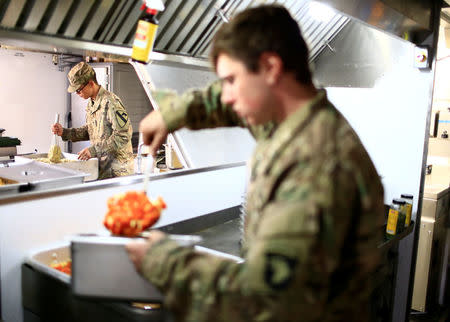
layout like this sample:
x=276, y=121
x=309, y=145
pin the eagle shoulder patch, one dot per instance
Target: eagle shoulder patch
x=279, y=270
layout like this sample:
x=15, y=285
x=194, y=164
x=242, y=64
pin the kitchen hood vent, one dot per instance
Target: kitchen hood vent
x=186, y=28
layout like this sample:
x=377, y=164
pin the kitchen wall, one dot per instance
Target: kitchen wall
x=32, y=90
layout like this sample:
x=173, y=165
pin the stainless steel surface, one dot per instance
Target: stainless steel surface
x=101, y=268
x=376, y=55
x=105, y=27
x=430, y=262
x=42, y=259
x=224, y=237
x=41, y=173
x=119, y=279
x=89, y=167
x=397, y=17
x=109, y=183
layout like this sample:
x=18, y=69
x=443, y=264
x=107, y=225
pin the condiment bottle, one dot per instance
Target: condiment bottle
x=408, y=206
x=145, y=36
x=396, y=218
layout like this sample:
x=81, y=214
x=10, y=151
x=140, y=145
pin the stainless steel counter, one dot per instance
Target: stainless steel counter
x=81, y=208
x=38, y=278
x=224, y=237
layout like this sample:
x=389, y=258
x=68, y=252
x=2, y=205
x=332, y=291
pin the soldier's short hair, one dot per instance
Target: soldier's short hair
x=266, y=28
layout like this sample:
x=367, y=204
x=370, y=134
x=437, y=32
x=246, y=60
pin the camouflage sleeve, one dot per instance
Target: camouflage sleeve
x=121, y=130
x=196, y=109
x=76, y=134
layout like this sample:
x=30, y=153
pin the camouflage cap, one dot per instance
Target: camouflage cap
x=79, y=75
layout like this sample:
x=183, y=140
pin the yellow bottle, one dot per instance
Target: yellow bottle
x=145, y=36
x=408, y=205
x=396, y=218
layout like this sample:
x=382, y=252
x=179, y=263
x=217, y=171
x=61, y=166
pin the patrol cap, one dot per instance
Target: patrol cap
x=79, y=75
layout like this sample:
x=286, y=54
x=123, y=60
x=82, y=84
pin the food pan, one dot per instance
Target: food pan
x=101, y=268
x=86, y=166
x=37, y=175
x=42, y=259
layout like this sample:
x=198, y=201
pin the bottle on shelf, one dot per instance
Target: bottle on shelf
x=408, y=198
x=396, y=218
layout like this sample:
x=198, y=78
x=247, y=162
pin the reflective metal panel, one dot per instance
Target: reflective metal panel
x=115, y=20
x=78, y=17
x=12, y=13
x=187, y=27
x=97, y=19
x=202, y=27
x=56, y=19
x=36, y=14
x=129, y=24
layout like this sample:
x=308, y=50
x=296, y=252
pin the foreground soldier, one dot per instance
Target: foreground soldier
x=107, y=125
x=314, y=201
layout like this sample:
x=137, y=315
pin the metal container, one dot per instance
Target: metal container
x=102, y=269
x=7, y=151
x=35, y=175
x=39, y=279
x=86, y=166
x=41, y=260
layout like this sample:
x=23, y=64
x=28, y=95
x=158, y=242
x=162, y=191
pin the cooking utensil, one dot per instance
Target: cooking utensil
x=54, y=154
x=182, y=240
x=54, y=135
x=148, y=170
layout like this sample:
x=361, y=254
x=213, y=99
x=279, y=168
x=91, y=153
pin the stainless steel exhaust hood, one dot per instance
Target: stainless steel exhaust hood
x=106, y=27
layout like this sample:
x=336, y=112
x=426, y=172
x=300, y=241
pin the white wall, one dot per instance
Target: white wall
x=32, y=91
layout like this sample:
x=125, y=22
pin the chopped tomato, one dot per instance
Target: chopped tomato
x=65, y=267
x=132, y=212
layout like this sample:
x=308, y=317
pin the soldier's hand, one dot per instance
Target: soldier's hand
x=154, y=131
x=84, y=154
x=137, y=250
x=57, y=129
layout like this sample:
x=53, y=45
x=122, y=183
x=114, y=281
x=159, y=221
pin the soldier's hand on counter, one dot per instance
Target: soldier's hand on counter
x=136, y=250
x=84, y=154
x=154, y=131
x=57, y=129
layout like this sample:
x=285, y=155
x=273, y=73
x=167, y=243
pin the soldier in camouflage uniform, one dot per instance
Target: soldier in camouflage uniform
x=314, y=201
x=107, y=125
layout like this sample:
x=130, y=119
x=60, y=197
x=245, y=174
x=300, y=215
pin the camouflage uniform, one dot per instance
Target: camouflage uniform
x=314, y=220
x=107, y=127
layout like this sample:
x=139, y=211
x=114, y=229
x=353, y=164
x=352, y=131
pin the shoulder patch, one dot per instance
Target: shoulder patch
x=121, y=118
x=279, y=270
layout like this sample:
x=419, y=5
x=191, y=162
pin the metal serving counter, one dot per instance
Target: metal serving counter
x=37, y=279
x=34, y=175
x=32, y=220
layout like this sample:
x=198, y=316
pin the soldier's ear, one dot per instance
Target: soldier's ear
x=271, y=65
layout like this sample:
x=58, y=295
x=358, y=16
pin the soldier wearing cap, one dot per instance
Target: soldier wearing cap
x=314, y=204
x=107, y=125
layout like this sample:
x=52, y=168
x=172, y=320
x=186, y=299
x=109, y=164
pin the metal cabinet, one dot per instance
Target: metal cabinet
x=431, y=258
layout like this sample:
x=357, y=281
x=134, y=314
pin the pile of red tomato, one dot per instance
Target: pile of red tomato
x=132, y=212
